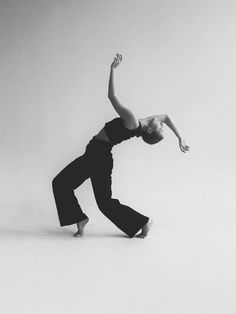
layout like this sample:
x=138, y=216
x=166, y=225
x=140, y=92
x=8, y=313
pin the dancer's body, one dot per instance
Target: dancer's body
x=97, y=164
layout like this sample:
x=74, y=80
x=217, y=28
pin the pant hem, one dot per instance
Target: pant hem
x=131, y=235
x=63, y=224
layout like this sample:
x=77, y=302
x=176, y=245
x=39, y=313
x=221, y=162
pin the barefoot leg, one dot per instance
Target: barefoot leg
x=145, y=230
x=81, y=226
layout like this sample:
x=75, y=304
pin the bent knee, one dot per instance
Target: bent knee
x=105, y=204
x=57, y=182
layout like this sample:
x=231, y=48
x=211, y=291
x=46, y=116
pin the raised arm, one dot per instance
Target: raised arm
x=127, y=115
x=168, y=121
x=114, y=65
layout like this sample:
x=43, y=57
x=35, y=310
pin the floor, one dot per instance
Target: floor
x=46, y=270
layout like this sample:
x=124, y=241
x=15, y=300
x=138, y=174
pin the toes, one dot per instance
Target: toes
x=78, y=234
x=141, y=236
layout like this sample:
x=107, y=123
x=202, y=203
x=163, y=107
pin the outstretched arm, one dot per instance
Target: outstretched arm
x=126, y=114
x=167, y=120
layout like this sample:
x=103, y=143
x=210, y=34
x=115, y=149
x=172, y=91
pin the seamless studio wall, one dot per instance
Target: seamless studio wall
x=178, y=58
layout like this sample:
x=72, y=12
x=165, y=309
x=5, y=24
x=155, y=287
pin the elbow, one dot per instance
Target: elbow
x=111, y=96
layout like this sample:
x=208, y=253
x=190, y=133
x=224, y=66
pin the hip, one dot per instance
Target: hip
x=98, y=146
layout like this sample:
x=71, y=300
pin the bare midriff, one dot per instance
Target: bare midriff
x=102, y=135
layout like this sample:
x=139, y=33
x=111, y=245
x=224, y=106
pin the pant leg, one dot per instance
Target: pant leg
x=124, y=217
x=64, y=184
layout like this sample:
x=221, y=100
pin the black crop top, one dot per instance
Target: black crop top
x=117, y=132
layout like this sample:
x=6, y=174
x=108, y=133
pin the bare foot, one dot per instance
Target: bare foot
x=145, y=230
x=81, y=226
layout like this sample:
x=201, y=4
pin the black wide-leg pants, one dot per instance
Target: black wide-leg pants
x=96, y=163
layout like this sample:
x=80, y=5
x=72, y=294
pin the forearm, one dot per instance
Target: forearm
x=122, y=111
x=171, y=125
x=111, y=89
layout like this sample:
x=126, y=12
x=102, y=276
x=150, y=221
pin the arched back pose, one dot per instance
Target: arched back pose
x=97, y=163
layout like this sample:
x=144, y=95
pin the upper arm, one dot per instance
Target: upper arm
x=130, y=121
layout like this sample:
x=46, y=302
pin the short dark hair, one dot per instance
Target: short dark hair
x=152, y=138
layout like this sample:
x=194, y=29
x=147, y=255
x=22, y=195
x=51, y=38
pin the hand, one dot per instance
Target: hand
x=117, y=61
x=182, y=145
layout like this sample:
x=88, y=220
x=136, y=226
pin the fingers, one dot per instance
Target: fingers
x=118, y=58
x=184, y=148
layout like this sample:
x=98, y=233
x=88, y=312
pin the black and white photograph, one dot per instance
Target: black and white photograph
x=117, y=156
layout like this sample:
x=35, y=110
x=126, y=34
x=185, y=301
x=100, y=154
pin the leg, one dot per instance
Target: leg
x=145, y=230
x=124, y=217
x=64, y=184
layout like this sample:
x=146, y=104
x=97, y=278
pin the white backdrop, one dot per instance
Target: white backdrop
x=178, y=58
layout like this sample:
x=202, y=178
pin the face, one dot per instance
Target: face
x=156, y=126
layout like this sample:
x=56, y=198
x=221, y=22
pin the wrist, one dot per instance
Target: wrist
x=113, y=68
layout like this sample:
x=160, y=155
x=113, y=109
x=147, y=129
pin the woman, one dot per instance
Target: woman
x=97, y=163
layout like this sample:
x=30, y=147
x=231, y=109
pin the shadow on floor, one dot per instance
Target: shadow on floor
x=49, y=232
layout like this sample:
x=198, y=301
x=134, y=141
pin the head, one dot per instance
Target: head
x=152, y=131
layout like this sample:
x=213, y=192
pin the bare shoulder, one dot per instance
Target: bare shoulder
x=131, y=124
